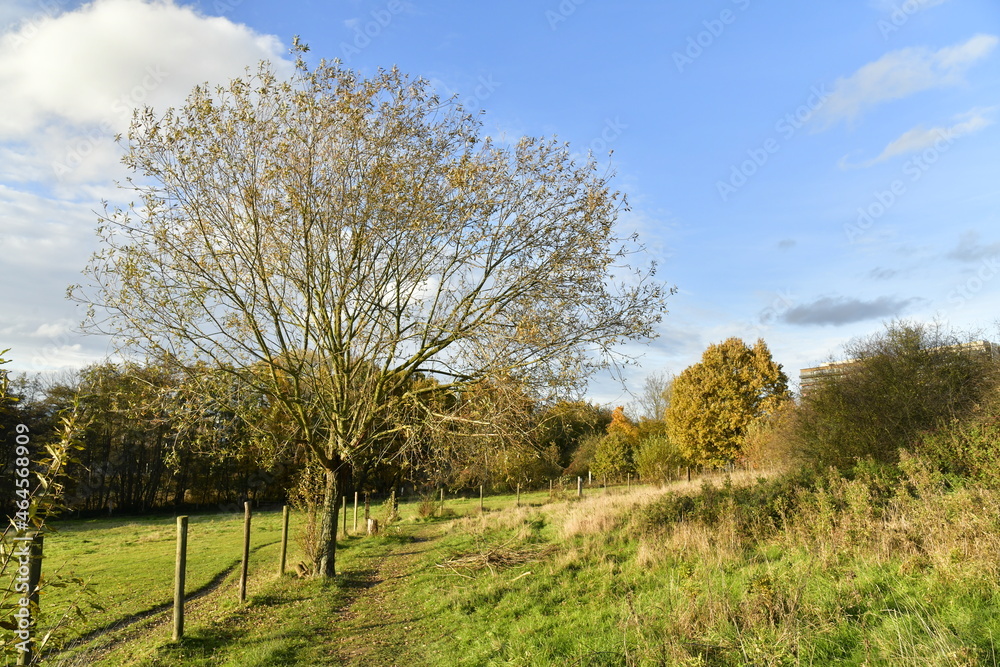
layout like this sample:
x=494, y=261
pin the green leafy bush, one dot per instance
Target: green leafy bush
x=909, y=379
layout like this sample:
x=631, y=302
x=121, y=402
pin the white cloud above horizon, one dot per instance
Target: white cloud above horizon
x=72, y=80
x=899, y=74
x=920, y=138
x=71, y=77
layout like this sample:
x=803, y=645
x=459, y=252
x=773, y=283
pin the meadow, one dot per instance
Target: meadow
x=869, y=570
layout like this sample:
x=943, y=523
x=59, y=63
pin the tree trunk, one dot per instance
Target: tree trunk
x=326, y=550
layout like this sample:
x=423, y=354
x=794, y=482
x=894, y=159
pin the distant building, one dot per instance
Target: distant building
x=811, y=377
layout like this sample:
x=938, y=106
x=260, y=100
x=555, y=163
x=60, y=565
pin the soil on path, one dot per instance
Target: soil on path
x=375, y=628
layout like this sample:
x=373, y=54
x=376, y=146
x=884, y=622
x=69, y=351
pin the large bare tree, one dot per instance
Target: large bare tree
x=346, y=234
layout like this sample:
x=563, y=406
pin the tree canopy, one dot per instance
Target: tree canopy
x=715, y=400
x=344, y=234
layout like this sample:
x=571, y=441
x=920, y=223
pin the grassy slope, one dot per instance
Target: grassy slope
x=582, y=582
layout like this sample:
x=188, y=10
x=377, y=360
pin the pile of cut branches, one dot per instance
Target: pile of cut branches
x=495, y=558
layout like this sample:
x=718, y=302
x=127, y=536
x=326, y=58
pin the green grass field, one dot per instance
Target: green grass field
x=554, y=581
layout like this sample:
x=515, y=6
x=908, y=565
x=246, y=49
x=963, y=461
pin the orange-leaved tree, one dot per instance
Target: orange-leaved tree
x=716, y=399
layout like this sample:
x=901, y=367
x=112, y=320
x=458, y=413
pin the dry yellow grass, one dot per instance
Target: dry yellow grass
x=600, y=511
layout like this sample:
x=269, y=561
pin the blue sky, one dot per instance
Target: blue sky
x=802, y=172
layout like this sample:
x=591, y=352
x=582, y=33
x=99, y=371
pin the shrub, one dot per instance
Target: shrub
x=428, y=506
x=902, y=382
x=658, y=458
x=968, y=449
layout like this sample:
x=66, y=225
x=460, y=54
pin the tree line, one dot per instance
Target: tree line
x=149, y=441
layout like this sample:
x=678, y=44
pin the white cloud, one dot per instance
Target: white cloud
x=94, y=64
x=899, y=74
x=51, y=330
x=71, y=80
x=920, y=137
x=17, y=14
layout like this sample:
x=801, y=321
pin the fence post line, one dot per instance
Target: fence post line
x=480, y=498
x=344, y=505
x=179, y=566
x=246, y=551
x=579, y=487
x=284, y=539
x=355, y=512
x=518, y=501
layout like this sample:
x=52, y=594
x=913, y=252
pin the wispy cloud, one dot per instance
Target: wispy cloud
x=843, y=310
x=920, y=137
x=882, y=274
x=899, y=74
x=971, y=249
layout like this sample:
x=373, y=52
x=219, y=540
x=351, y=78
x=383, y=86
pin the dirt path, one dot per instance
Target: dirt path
x=375, y=625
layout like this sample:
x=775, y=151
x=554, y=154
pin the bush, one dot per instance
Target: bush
x=615, y=456
x=758, y=508
x=968, y=449
x=910, y=379
x=769, y=505
x=428, y=506
x=658, y=459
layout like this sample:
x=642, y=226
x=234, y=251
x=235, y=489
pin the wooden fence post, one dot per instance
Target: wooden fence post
x=179, y=566
x=246, y=551
x=344, y=505
x=284, y=539
x=35, y=541
x=579, y=487
x=480, y=498
x=518, y=501
x=367, y=507
x=355, y=512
